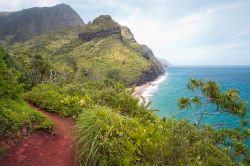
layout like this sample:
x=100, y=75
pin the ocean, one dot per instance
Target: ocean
x=165, y=92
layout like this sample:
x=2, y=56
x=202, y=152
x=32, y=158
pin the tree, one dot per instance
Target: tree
x=37, y=71
x=231, y=140
x=114, y=74
x=223, y=102
x=9, y=86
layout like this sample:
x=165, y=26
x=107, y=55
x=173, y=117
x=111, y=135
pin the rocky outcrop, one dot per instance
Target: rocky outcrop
x=103, y=26
x=153, y=72
x=127, y=34
x=22, y=25
x=148, y=75
x=88, y=36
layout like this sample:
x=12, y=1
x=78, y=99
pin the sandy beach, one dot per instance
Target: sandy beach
x=140, y=89
x=149, y=88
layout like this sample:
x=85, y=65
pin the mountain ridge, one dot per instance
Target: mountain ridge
x=22, y=25
x=102, y=48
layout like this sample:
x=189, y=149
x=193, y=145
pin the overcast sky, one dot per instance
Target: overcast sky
x=185, y=32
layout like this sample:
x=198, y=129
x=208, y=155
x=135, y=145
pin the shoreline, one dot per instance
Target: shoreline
x=149, y=88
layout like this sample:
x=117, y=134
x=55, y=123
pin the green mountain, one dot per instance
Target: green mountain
x=101, y=49
x=64, y=69
x=21, y=25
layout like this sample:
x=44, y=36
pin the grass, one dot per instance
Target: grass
x=105, y=137
x=16, y=115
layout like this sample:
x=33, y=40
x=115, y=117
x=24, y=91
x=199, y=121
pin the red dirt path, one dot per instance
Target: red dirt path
x=44, y=149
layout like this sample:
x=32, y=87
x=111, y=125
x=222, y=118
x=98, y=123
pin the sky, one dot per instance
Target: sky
x=184, y=32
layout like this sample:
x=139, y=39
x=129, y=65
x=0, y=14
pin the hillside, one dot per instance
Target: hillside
x=21, y=25
x=73, y=82
x=101, y=49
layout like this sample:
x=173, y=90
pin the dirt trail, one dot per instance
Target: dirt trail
x=43, y=149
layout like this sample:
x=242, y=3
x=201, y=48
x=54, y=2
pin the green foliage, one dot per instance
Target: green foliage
x=225, y=102
x=233, y=140
x=103, y=22
x=71, y=59
x=16, y=115
x=21, y=25
x=37, y=71
x=106, y=137
x=114, y=129
x=9, y=87
x=48, y=97
x=69, y=99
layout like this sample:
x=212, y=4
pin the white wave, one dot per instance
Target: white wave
x=154, y=87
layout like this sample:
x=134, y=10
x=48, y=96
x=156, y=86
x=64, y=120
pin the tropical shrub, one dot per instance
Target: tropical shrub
x=15, y=115
x=9, y=87
x=208, y=93
x=68, y=100
x=228, y=102
x=105, y=137
x=47, y=96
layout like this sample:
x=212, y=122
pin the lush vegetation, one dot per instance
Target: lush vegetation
x=114, y=129
x=62, y=74
x=223, y=102
x=70, y=99
x=15, y=115
x=209, y=100
x=106, y=137
x=70, y=59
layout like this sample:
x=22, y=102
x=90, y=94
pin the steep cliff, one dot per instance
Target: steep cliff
x=103, y=26
x=154, y=71
x=22, y=25
x=101, y=49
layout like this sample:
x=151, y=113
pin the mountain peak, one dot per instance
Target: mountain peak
x=21, y=25
x=103, y=19
x=104, y=26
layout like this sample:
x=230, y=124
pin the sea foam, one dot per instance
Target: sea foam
x=153, y=87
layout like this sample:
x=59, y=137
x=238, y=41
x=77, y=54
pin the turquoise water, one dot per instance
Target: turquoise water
x=174, y=87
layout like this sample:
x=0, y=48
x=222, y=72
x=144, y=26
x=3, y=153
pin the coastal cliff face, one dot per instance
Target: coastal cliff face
x=101, y=27
x=104, y=26
x=100, y=34
x=98, y=50
x=22, y=25
x=153, y=72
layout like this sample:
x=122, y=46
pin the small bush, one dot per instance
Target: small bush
x=16, y=114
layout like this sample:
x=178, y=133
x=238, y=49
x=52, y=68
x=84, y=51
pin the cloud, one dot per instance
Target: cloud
x=15, y=5
x=166, y=35
x=190, y=32
x=204, y=37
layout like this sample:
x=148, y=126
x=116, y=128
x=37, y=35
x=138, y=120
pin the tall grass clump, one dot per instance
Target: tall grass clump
x=105, y=137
